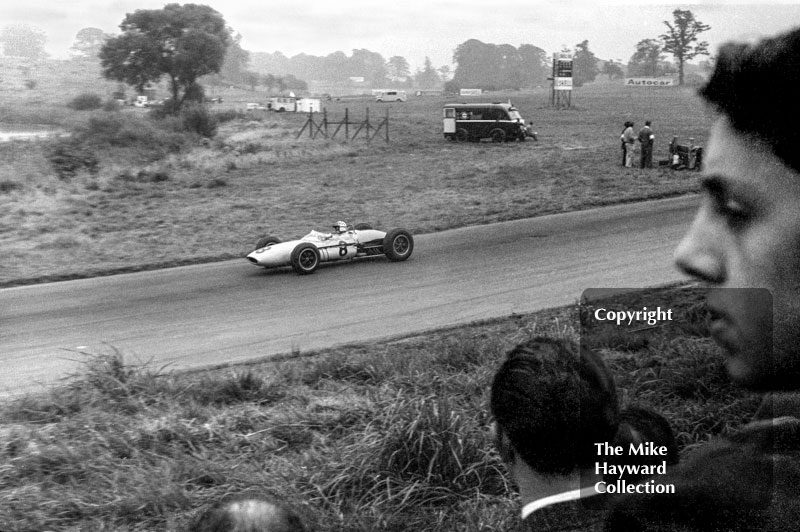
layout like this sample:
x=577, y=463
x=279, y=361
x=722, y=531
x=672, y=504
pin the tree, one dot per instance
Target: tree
x=397, y=68
x=182, y=42
x=370, y=65
x=613, y=70
x=491, y=67
x=646, y=60
x=234, y=68
x=88, y=43
x=533, y=64
x=427, y=78
x=21, y=40
x=584, y=65
x=680, y=40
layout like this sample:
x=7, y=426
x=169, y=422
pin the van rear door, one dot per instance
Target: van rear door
x=449, y=121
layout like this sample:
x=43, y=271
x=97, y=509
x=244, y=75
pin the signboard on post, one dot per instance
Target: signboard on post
x=562, y=79
x=563, y=84
x=563, y=63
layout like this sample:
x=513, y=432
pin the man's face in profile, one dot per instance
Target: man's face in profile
x=747, y=235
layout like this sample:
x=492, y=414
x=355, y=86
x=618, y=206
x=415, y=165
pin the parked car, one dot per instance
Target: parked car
x=391, y=96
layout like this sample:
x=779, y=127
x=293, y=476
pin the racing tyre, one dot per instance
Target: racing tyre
x=305, y=258
x=398, y=245
x=498, y=135
x=269, y=239
x=462, y=135
x=362, y=227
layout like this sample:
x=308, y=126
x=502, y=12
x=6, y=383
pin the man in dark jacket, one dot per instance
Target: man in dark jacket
x=746, y=234
x=550, y=406
x=646, y=139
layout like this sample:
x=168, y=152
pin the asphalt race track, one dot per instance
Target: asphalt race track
x=232, y=311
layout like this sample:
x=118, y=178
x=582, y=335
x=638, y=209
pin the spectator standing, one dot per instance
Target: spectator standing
x=622, y=140
x=646, y=139
x=628, y=139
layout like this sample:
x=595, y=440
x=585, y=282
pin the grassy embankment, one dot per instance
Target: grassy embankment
x=384, y=436
x=159, y=198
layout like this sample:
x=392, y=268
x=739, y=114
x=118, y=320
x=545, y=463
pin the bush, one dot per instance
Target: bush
x=228, y=115
x=7, y=186
x=197, y=119
x=69, y=157
x=124, y=131
x=86, y=102
x=111, y=106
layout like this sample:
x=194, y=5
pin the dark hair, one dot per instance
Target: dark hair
x=247, y=513
x=639, y=425
x=755, y=86
x=554, y=404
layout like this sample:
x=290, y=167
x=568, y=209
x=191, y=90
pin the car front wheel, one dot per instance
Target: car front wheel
x=269, y=239
x=398, y=245
x=305, y=258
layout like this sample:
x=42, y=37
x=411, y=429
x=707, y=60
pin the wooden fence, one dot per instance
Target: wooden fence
x=349, y=130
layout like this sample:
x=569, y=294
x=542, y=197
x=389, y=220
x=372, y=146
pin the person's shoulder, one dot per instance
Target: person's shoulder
x=585, y=515
x=727, y=484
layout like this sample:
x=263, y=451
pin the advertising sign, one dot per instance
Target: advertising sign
x=563, y=84
x=649, y=82
x=564, y=66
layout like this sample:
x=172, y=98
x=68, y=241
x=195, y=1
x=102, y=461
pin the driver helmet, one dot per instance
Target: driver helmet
x=340, y=226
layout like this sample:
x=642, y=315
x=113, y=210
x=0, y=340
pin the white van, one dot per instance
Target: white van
x=391, y=96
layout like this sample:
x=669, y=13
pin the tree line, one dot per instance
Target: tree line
x=184, y=43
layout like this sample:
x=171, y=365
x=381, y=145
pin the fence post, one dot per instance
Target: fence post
x=325, y=120
x=367, y=121
x=346, y=125
x=311, y=121
x=387, y=125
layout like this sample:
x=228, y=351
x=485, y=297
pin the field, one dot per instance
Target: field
x=198, y=201
x=383, y=436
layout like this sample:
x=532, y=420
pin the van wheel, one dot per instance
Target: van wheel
x=498, y=135
x=462, y=135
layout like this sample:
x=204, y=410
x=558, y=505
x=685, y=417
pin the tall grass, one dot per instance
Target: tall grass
x=390, y=436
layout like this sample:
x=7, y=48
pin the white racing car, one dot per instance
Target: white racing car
x=345, y=242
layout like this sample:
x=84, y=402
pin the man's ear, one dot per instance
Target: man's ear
x=503, y=444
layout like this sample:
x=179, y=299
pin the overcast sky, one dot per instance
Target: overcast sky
x=415, y=29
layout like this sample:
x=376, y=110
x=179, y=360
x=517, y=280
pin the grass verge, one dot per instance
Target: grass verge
x=383, y=436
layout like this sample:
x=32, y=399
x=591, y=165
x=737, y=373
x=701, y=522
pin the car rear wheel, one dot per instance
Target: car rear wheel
x=305, y=258
x=269, y=239
x=398, y=245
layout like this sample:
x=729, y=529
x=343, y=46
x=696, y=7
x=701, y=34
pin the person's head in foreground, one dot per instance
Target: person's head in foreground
x=746, y=234
x=551, y=405
x=247, y=513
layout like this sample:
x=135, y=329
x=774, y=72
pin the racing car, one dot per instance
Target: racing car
x=344, y=242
